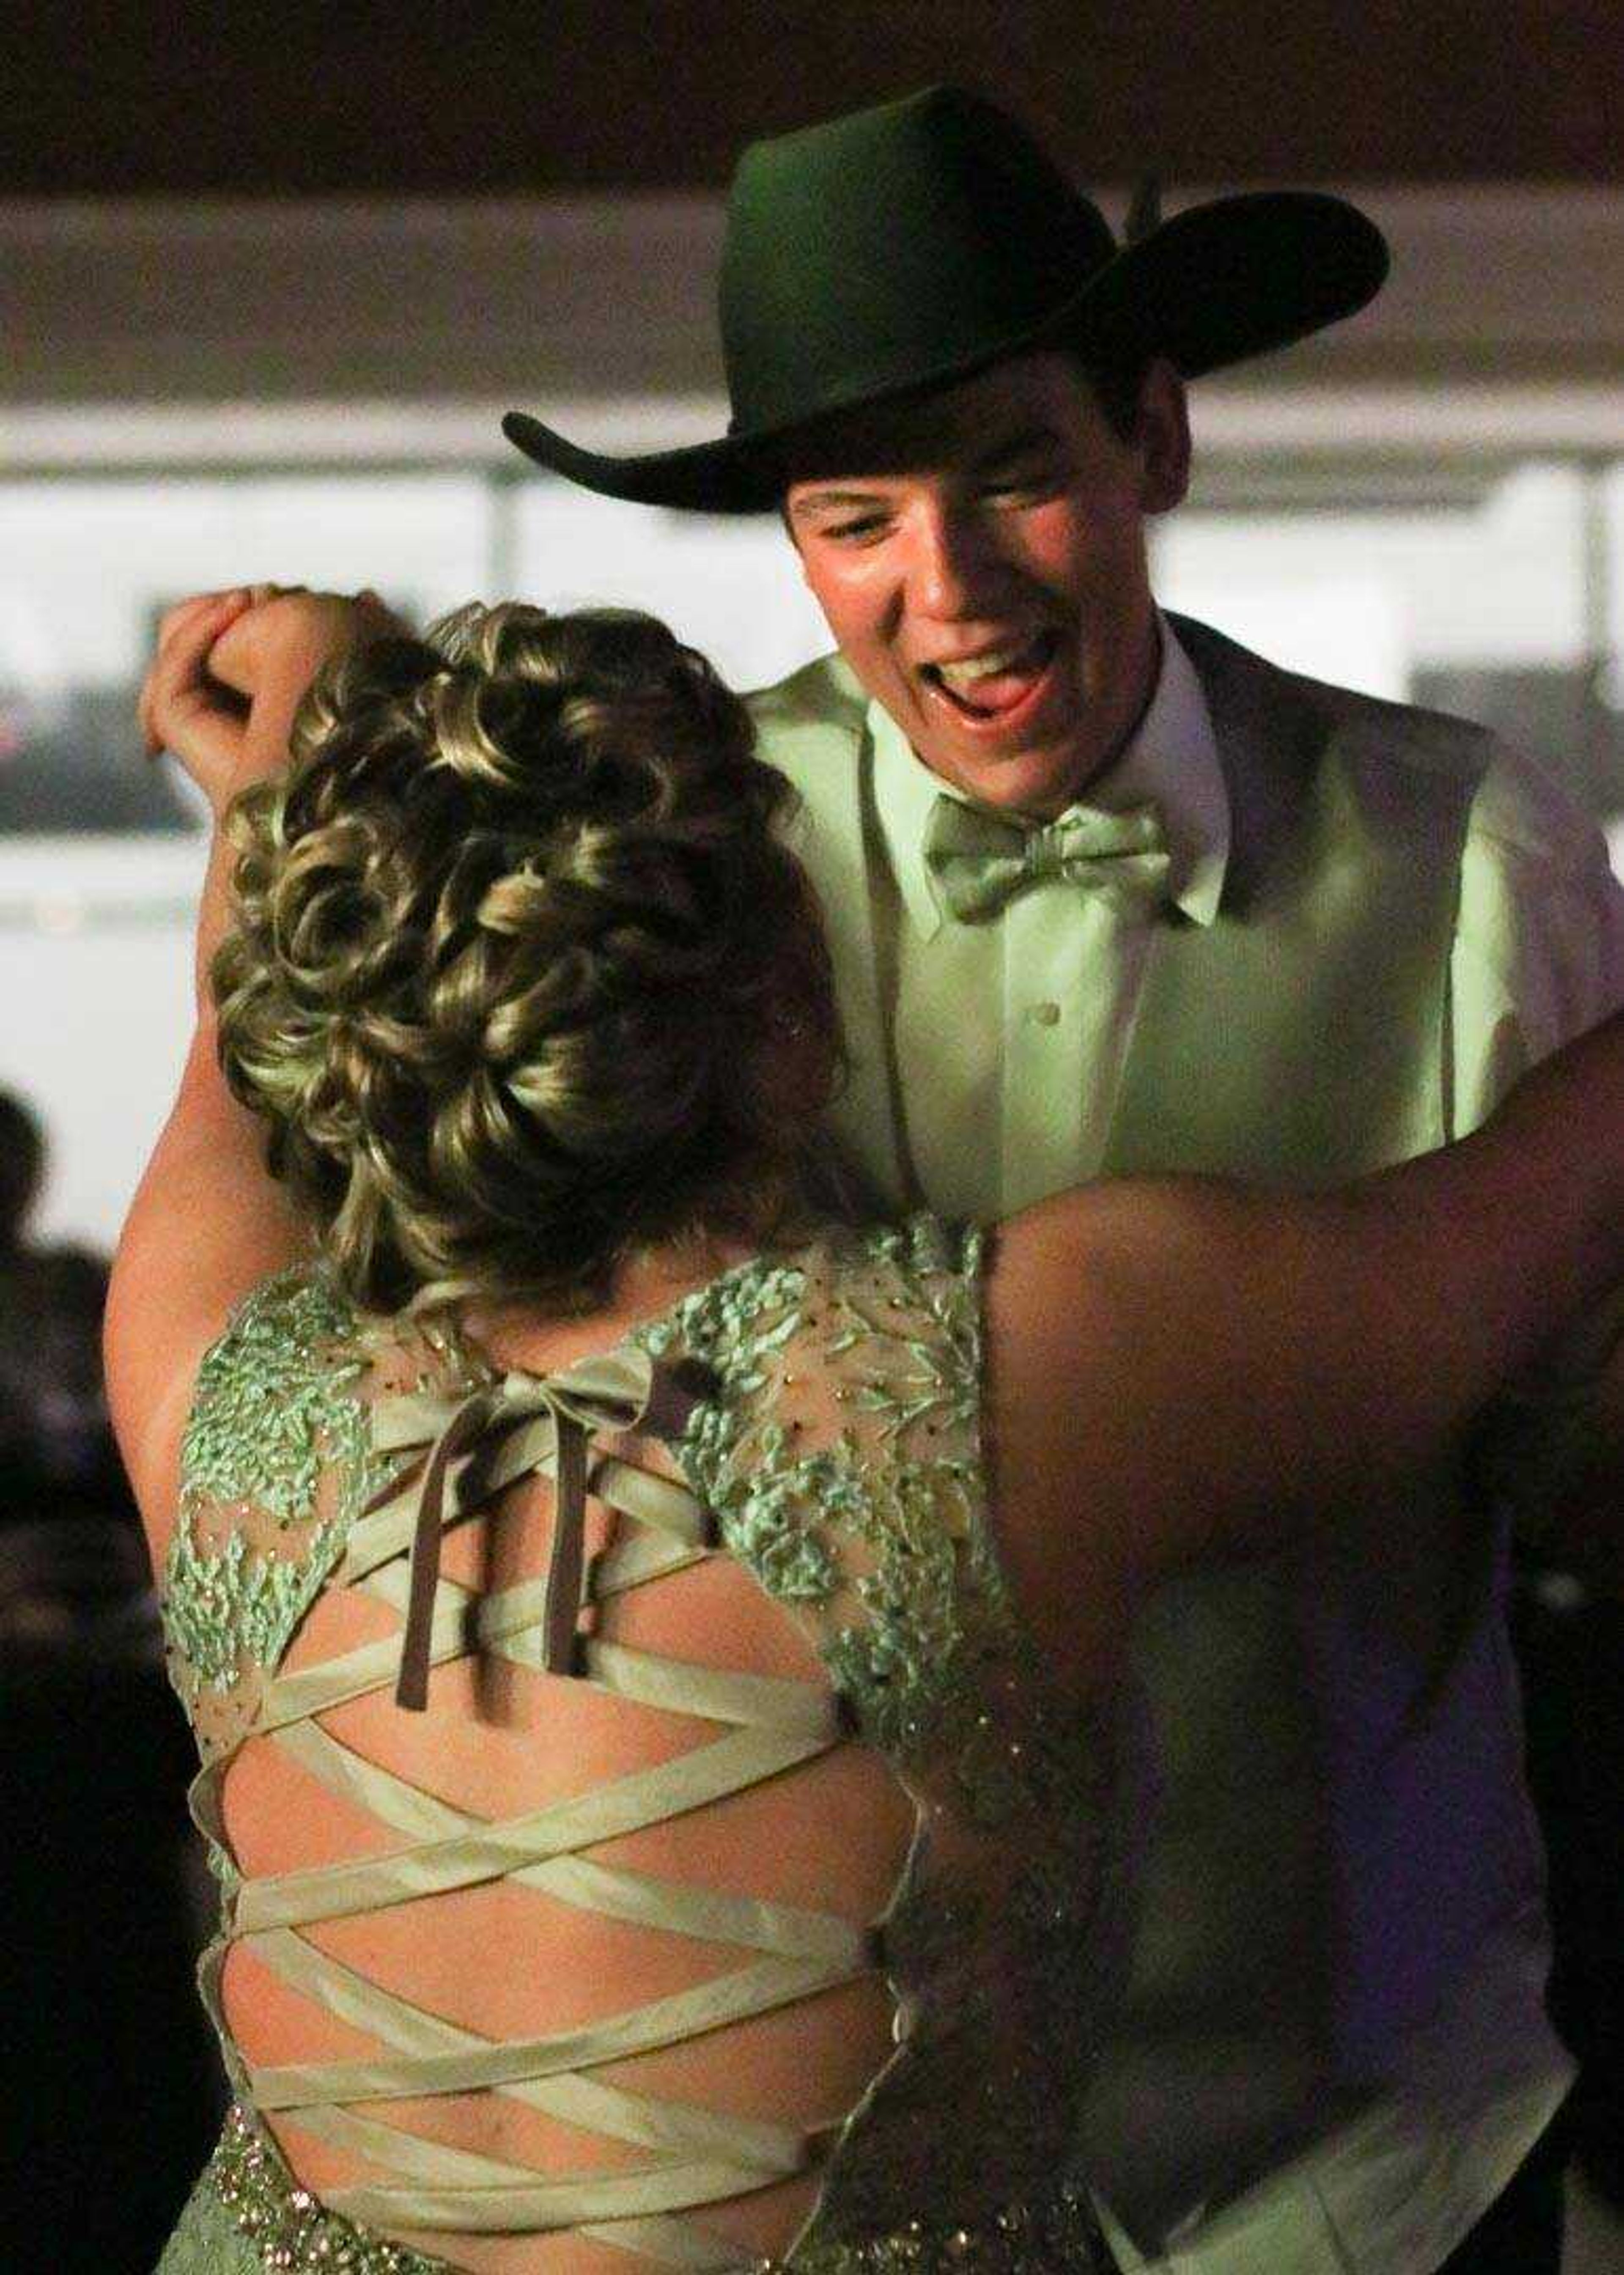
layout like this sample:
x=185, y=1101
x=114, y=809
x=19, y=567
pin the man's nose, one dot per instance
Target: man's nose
x=952, y=564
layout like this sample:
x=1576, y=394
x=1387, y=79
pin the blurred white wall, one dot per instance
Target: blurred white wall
x=1369, y=597
x=95, y=979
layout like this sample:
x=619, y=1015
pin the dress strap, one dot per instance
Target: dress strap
x=616, y=1391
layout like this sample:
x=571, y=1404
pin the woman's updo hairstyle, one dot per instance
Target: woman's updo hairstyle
x=520, y=976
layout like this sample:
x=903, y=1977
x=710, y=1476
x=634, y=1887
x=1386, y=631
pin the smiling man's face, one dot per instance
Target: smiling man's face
x=980, y=558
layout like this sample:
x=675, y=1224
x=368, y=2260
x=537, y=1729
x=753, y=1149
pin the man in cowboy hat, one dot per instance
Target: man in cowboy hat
x=1108, y=893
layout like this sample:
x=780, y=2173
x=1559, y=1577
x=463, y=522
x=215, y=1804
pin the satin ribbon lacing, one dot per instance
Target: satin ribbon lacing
x=621, y=1391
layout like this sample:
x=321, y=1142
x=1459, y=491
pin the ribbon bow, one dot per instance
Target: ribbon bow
x=619, y=1390
x=982, y=860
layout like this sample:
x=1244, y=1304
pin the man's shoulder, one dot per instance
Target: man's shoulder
x=1516, y=802
x=1517, y=814
x=820, y=696
x=1522, y=816
x=1370, y=728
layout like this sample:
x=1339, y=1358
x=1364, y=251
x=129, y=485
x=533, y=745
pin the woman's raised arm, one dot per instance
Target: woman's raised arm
x=208, y=1222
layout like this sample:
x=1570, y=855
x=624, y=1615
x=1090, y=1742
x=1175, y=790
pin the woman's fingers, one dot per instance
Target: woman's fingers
x=293, y=630
x=176, y=618
x=180, y=620
x=229, y=667
x=185, y=635
x=178, y=678
x=180, y=708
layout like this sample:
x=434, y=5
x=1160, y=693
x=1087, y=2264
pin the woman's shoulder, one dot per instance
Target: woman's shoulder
x=837, y=1445
x=279, y=1458
x=854, y=1345
x=846, y=1298
x=283, y=1391
x=280, y=1438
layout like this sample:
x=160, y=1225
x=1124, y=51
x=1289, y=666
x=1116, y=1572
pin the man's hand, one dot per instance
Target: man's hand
x=1550, y=1450
x=230, y=669
x=1581, y=1528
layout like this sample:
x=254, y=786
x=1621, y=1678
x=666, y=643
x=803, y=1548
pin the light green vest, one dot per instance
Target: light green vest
x=1312, y=1899
x=1299, y=1038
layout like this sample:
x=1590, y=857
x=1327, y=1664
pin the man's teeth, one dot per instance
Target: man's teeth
x=958, y=675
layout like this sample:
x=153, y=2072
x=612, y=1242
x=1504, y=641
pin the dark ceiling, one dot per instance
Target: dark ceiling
x=605, y=95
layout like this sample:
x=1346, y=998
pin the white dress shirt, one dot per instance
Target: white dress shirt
x=1027, y=1060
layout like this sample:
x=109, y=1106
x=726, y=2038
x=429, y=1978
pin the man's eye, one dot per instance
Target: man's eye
x=868, y=524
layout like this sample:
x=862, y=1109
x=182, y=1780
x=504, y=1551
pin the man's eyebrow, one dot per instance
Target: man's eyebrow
x=834, y=497
x=814, y=499
x=1009, y=450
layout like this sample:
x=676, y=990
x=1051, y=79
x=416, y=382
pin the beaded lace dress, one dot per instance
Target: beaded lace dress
x=823, y=1407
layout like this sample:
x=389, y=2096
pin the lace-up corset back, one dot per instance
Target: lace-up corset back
x=834, y=1459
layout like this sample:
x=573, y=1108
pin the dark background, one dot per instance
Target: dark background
x=597, y=95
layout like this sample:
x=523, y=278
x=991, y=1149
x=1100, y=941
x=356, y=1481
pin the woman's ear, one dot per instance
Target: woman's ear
x=1163, y=438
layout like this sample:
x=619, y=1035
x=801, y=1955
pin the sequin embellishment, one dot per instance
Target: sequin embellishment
x=292, y=2235
x=284, y=2224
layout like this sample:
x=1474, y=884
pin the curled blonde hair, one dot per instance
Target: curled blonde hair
x=520, y=976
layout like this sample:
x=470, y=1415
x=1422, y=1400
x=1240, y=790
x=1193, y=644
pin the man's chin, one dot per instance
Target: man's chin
x=1041, y=782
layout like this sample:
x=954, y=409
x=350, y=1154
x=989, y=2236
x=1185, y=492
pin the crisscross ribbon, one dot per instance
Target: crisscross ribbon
x=475, y=1446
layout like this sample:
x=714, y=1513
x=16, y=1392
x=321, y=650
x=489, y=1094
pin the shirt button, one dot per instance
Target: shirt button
x=1044, y=1015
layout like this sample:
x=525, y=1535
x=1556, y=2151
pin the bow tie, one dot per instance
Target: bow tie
x=983, y=860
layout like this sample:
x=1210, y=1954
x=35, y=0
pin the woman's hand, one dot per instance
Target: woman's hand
x=230, y=669
x=181, y=708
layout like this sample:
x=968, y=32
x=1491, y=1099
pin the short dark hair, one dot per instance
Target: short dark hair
x=1115, y=379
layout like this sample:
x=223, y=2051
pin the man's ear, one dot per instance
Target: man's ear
x=1163, y=438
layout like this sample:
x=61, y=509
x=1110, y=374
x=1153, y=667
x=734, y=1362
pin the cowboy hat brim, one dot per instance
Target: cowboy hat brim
x=1215, y=284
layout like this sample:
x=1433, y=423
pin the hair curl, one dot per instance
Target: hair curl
x=521, y=975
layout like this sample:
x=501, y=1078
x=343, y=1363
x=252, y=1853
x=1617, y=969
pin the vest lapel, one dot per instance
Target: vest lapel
x=1299, y=1037
x=812, y=729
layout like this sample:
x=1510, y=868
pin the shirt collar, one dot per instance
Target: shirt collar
x=1171, y=761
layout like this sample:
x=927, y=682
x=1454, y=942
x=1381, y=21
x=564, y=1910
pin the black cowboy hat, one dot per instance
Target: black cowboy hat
x=898, y=250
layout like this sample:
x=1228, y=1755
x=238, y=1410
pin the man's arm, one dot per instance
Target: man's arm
x=1538, y=950
x=1538, y=958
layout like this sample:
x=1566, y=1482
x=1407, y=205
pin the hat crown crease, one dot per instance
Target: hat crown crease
x=923, y=234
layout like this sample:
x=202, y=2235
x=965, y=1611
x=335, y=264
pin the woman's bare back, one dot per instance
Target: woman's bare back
x=842, y=1457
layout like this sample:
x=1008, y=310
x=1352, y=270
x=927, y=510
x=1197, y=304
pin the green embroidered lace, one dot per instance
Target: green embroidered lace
x=840, y=1456
x=276, y=1464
